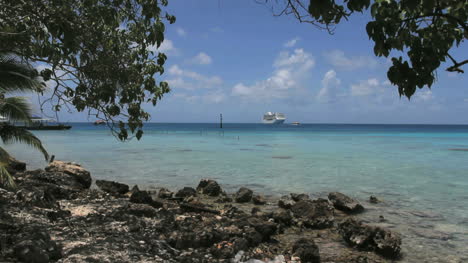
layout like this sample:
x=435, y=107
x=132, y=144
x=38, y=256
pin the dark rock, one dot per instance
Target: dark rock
x=258, y=200
x=317, y=214
x=75, y=170
x=58, y=184
x=186, y=192
x=197, y=207
x=134, y=189
x=165, y=193
x=345, y=203
x=373, y=199
x=143, y=197
x=56, y=215
x=140, y=210
x=243, y=195
x=112, y=187
x=370, y=238
x=35, y=245
x=306, y=250
x=224, y=199
x=255, y=210
x=15, y=166
x=265, y=228
x=285, y=202
x=36, y=197
x=283, y=216
x=299, y=197
x=209, y=187
x=223, y=250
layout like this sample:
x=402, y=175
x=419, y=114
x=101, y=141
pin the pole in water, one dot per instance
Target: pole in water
x=221, y=121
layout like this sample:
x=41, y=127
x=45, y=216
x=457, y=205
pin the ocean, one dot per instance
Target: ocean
x=419, y=171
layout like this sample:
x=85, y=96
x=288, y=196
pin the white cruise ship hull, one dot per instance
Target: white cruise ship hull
x=275, y=121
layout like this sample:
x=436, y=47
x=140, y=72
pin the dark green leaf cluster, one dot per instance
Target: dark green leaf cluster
x=100, y=55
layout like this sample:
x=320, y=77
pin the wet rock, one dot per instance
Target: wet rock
x=112, y=187
x=317, y=214
x=299, y=197
x=165, y=193
x=285, y=202
x=365, y=237
x=35, y=246
x=80, y=174
x=373, y=199
x=345, y=203
x=258, y=200
x=209, y=187
x=306, y=250
x=143, y=197
x=186, y=192
x=243, y=195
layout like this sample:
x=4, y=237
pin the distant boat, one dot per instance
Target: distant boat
x=295, y=123
x=99, y=122
x=39, y=123
x=273, y=118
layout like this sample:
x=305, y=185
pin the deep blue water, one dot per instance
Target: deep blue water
x=420, y=171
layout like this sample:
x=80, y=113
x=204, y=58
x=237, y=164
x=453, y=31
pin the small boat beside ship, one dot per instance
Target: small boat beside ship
x=273, y=118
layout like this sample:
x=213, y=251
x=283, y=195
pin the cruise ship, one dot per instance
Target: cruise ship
x=273, y=118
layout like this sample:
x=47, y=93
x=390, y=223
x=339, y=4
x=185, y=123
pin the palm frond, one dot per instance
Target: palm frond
x=6, y=179
x=4, y=156
x=17, y=76
x=12, y=134
x=16, y=109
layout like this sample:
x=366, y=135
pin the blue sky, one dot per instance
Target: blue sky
x=236, y=58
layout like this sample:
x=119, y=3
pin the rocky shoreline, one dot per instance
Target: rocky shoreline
x=54, y=216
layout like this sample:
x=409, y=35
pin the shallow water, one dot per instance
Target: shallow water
x=420, y=171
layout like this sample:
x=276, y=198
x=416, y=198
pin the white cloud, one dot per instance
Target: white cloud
x=292, y=42
x=201, y=59
x=241, y=90
x=285, y=80
x=338, y=59
x=423, y=96
x=167, y=46
x=180, y=76
x=366, y=88
x=181, y=32
x=298, y=58
x=212, y=97
x=329, y=91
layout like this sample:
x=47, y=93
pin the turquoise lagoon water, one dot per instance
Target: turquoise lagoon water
x=420, y=171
